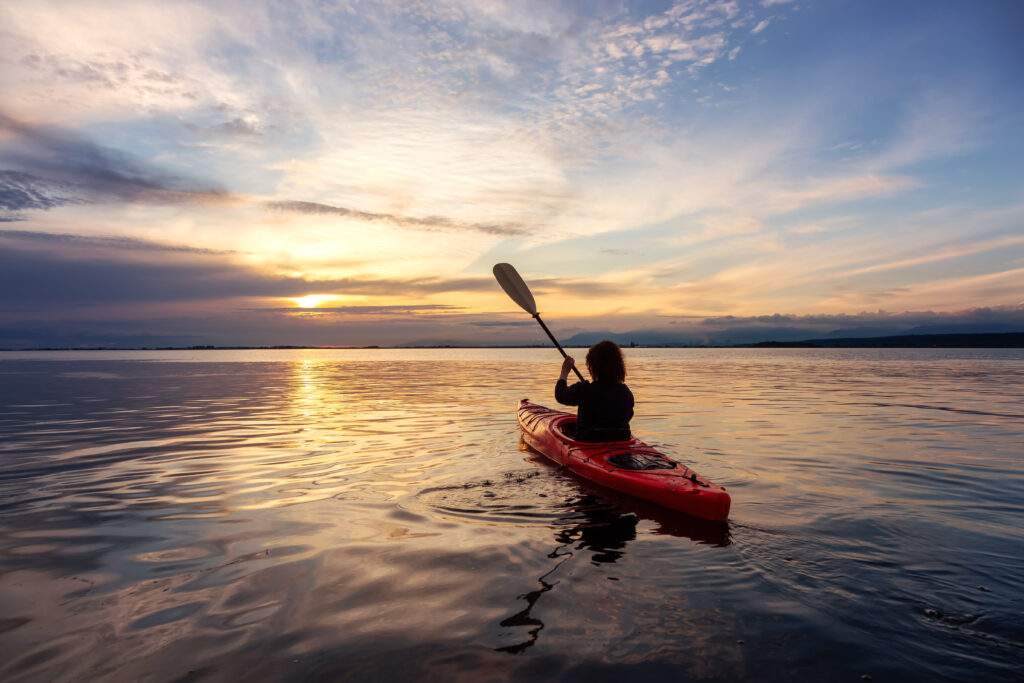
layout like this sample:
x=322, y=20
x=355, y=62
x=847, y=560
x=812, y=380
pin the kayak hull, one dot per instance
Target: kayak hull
x=671, y=484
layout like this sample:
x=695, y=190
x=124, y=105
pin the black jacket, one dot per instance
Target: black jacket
x=605, y=409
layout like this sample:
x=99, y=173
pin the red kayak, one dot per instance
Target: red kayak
x=631, y=466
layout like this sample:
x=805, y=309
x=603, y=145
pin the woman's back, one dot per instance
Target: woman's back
x=605, y=409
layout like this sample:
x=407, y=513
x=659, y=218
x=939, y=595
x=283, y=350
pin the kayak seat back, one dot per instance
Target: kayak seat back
x=598, y=435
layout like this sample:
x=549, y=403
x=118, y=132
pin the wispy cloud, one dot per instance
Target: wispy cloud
x=948, y=292
x=55, y=167
x=429, y=223
x=24, y=191
x=939, y=254
x=238, y=127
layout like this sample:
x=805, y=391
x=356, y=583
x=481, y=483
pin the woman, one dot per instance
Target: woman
x=606, y=404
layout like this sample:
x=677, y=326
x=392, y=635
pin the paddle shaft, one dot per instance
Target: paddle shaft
x=558, y=346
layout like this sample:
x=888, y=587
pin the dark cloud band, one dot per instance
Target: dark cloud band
x=42, y=168
x=396, y=309
x=54, y=271
x=1002, y=314
x=31, y=239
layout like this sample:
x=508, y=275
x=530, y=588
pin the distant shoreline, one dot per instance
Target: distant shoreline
x=1001, y=340
x=995, y=340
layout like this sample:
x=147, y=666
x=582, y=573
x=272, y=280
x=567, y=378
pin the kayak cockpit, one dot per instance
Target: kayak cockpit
x=634, y=460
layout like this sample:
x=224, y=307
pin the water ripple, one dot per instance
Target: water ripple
x=303, y=515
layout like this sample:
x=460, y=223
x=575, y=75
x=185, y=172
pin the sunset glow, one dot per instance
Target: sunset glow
x=684, y=170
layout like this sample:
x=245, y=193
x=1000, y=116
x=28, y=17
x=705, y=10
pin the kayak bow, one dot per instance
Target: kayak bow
x=631, y=466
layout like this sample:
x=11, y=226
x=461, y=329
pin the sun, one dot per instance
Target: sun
x=313, y=300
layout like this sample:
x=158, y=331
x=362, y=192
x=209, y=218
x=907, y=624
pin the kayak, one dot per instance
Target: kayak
x=631, y=466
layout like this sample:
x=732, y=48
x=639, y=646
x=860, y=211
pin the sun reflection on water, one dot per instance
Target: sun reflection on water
x=325, y=508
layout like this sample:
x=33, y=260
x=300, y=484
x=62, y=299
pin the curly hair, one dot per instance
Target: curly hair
x=605, y=362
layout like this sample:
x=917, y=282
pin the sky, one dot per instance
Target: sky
x=347, y=173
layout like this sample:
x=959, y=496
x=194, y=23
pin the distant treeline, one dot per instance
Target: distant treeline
x=1003, y=340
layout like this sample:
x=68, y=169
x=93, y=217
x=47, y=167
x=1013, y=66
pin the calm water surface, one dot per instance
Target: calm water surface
x=371, y=515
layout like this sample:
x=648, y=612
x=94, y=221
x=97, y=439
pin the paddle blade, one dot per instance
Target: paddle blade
x=514, y=286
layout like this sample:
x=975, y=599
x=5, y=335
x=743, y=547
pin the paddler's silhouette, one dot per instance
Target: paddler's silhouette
x=606, y=403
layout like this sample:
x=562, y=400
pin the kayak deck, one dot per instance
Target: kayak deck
x=631, y=466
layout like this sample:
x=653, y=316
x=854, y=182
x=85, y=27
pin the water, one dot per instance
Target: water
x=371, y=515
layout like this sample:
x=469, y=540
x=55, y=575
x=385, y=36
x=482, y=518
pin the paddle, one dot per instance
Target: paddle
x=514, y=286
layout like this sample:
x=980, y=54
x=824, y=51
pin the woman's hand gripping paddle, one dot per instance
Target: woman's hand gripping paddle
x=514, y=286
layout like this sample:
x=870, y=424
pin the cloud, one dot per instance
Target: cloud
x=239, y=127
x=34, y=278
x=395, y=309
x=20, y=191
x=51, y=241
x=582, y=288
x=841, y=188
x=55, y=167
x=637, y=59
x=1011, y=316
x=940, y=121
x=66, y=270
x=954, y=292
x=502, y=323
x=940, y=254
x=784, y=327
x=95, y=59
x=429, y=223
